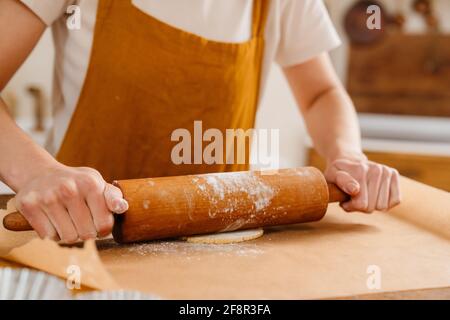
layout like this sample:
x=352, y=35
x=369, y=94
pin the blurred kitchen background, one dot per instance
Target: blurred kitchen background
x=399, y=78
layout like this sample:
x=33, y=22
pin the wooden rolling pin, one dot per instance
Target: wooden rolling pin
x=171, y=207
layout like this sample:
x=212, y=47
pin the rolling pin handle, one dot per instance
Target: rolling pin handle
x=16, y=222
x=336, y=194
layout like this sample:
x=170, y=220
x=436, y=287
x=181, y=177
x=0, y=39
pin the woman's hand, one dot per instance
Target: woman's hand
x=68, y=204
x=372, y=186
x=58, y=201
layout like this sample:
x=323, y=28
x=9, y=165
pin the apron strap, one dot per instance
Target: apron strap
x=260, y=12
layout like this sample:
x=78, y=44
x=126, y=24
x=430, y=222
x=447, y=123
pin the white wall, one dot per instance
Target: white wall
x=279, y=111
x=37, y=70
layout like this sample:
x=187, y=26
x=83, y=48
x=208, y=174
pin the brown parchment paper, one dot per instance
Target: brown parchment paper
x=409, y=246
x=425, y=206
x=26, y=249
x=327, y=259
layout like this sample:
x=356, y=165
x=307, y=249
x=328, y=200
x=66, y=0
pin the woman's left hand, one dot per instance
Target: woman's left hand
x=372, y=186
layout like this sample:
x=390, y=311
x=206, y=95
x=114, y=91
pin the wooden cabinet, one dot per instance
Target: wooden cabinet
x=432, y=170
x=403, y=74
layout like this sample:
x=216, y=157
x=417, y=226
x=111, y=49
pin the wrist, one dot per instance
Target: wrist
x=356, y=155
x=21, y=175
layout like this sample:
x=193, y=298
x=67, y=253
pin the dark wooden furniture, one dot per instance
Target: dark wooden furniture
x=402, y=74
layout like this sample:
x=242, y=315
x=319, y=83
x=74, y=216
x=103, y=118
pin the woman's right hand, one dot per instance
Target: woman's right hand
x=70, y=204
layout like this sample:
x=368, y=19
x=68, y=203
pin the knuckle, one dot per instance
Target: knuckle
x=375, y=171
x=90, y=171
x=395, y=172
x=25, y=206
x=387, y=173
x=90, y=182
x=68, y=189
x=49, y=199
x=362, y=169
x=28, y=202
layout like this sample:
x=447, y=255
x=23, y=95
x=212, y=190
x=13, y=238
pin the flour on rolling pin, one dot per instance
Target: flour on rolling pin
x=218, y=186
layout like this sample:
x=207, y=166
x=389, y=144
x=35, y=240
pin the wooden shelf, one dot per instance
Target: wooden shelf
x=394, y=77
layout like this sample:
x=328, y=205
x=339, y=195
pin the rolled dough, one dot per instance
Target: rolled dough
x=226, y=237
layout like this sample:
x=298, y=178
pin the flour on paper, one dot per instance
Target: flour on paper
x=226, y=237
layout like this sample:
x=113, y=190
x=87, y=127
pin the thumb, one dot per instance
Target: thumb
x=114, y=199
x=347, y=183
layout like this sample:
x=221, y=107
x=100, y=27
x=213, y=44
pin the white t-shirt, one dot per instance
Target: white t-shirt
x=296, y=31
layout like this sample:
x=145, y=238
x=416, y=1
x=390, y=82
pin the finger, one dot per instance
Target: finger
x=395, y=195
x=383, y=195
x=347, y=183
x=78, y=210
x=360, y=201
x=347, y=206
x=61, y=221
x=82, y=219
x=373, y=187
x=102, y=216
x=114, y=199
x=38, y=220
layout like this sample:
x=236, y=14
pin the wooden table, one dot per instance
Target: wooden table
x=438, y=293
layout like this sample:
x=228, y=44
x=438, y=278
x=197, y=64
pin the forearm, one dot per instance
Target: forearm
x=22, y=159
x=333, y=125
x=326, y=107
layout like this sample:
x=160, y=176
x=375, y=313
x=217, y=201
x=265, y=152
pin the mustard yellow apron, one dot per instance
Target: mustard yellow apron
x=146, y=79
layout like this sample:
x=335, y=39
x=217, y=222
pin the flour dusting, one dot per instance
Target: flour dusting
x=220, y=187
x=183, y=249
